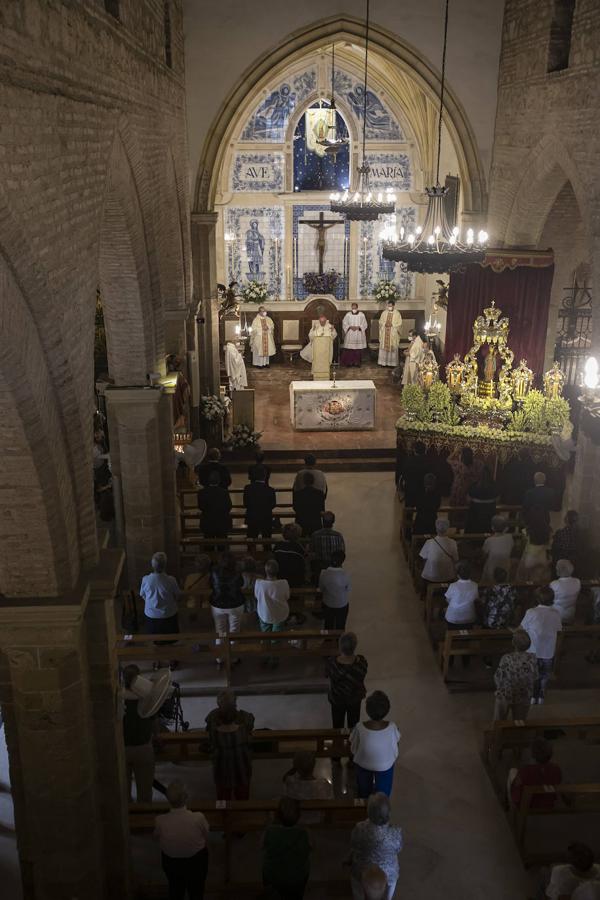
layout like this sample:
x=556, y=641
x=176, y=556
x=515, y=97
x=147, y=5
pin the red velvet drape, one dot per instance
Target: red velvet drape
x=523, y=294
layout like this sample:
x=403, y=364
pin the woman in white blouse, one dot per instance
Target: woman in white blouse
x=374, y=745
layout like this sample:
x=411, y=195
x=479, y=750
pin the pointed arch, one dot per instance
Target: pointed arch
x=408, y=62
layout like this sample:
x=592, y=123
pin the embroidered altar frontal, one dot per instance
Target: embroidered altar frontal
x=318, y=406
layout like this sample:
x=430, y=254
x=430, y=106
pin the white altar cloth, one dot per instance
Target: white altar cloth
x=317, y=406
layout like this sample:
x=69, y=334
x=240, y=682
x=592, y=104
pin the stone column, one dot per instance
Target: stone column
x=68, y=791
x=140, y=423
x=204, y=257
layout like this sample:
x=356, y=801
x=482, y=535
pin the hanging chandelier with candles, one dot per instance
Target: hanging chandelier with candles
x=362, y=204
x=333, y=142
x=435, y=246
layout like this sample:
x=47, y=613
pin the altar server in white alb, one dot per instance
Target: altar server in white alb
x=235, y=368
x=262, y=341
x=390, y=324
x=414, y=355
x=319, y=350
x=354, y=328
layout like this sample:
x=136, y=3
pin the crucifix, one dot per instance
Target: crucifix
x=321, y=225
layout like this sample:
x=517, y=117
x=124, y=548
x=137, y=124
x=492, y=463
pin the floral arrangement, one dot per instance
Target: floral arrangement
x=439, y=402
x=474, y=433
x=255, y=292
x=212, y=408
x=324, y=283
x=386, y=290
x=242, y=436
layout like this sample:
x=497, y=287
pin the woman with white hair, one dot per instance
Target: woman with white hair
x=440, y=554
x=566, y=589
x=183, y=838
x=161, y=594
x=515, y=679
x=375, y=842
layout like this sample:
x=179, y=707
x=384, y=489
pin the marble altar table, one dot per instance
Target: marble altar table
x=318, y=406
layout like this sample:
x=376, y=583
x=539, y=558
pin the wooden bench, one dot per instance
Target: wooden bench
x=192, y=544
x=241, y=816
x=186, y=746
x=572, y=799
x=516, y=736
x=417, y=541
x=301, y=598
x=496, y=641
x=456, y=515
x=200, y=647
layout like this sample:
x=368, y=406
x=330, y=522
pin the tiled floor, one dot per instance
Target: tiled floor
x=272, y=408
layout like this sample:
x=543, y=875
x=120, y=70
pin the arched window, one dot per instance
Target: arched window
x=314, y=169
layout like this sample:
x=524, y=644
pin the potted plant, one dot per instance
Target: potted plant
x=242, y=439
x=212, y=412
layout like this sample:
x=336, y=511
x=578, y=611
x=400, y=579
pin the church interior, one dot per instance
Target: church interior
x=300, y=432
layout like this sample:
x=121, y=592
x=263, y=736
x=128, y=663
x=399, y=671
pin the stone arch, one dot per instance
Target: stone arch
x=132, y=310
x=549, y=168
x=39, y=548
x=171, y=229
x=404, y=58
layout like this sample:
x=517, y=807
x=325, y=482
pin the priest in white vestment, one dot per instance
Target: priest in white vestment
x=262, y=342
x=319, y=350
x=354, y=329
x=235, y=368
x=413, y=355
x=390, y=324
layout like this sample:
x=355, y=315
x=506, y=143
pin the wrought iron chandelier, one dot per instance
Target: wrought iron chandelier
x=436, y=247
x=333, y=143
x=363, y=204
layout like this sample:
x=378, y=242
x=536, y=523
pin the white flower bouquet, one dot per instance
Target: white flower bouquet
x=242, y=436
x=386, y=290
x=255, y=292
x=212, y=408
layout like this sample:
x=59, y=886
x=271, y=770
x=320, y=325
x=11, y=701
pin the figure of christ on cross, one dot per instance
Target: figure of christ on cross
x=321, y=225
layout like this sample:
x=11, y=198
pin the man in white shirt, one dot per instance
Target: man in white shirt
x=566, y=590
x=542, y=623
x=440, y=554
x=334, y=585
x=320, y=482
x=272, y=595
x=579, y=878
x=183, y=837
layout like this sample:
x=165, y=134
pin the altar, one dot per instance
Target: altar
x=319, y=406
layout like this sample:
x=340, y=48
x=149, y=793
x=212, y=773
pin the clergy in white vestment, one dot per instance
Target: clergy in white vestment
x=390, y=323
x=235, y=368
x=413, y=355
x=319, y=350
x=354, y=329
x=262, y=341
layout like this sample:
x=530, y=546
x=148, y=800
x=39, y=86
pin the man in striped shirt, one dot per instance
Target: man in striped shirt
x=323, y=543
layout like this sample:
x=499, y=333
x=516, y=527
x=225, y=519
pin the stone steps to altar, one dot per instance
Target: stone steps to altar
x=369, y=459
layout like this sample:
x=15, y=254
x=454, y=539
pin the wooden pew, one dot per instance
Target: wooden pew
x=516, y=736
x=456, y=515
x=200, y=647
x=572, y=799
x=195, y=543
x=186, y=746
x=496, y=641
x=240, y=816
x=417, y=541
